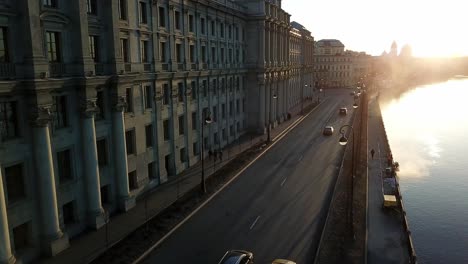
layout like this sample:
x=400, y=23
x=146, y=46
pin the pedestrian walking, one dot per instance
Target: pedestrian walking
x=372, y=152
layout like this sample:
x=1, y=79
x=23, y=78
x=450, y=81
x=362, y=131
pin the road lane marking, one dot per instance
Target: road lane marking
x=282, y=183
x=253, y=224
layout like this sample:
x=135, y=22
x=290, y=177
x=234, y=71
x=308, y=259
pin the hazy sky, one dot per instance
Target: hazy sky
x=431, y=27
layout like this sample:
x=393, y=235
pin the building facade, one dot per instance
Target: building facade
x=101, y=101
x=335, y=67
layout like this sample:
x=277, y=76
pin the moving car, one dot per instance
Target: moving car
x=236, y=256
x=328, y=131
x=343, y=111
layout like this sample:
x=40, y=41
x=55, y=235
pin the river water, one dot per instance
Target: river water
x=427, y=129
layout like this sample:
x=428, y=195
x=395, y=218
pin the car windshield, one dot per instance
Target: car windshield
x=231, y=260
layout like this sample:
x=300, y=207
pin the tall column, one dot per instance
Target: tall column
x=6, y=256
x=267, y=44
x=54, y=240
x=267, y=101
x=93, y=190
x=126, y=201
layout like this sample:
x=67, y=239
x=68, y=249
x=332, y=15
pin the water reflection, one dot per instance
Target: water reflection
x=428, y=132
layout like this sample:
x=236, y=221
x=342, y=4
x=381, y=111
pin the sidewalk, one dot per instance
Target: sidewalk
x=91, y=244
x=387, y=241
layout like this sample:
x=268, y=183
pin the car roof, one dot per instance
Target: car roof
x=283, y=261
x=233, y=256
x=328, y=127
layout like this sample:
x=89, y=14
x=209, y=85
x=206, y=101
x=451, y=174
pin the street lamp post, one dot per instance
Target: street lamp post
x=269, y=119
x=343, y=141
x=207, y=120
x=302, y=99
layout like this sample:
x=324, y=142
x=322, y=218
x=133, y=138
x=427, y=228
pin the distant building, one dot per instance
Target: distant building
x=101, y=101
x=336, y=68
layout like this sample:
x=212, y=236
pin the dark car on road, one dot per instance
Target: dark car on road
x=328, y=130
x=343, y=111
x=237, y=257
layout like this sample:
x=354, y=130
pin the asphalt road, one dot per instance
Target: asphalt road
x=277, y=207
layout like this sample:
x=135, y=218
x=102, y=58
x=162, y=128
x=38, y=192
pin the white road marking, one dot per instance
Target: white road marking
x=282, y=183
x=253, y=224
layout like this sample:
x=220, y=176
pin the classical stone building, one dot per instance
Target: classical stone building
x=335, y=67
x=101, y=101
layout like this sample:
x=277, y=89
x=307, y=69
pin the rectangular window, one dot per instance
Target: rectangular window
x=166, y=94
x=202, y=25
x=194, y=120
x=177, y=20
x=130, y=141
x=223, y=111
x=181, y=125
x=231, y=130
x=149, y=135
x=129, y=100
x=143, y=13
x=60, y=115
x=230, y=56
x=21, y=236
x=167, y=164
x=64, y=166
x=231, y=110
x=162, y=51
x=216, y=138
x=101, y=146
x=213, y=54
x=132, y=180
x=14, y=183
x=195, y=148
x=215, y=87
x=178, y=52
x=152, y=170
x=236, y=30
x=166, y=131
x=144, y=51
x=123, y=9
x=237, y=106
x=190, y=23
x=68, y=211
x=221, y=29
x=205, y=88
x=148, y=96
x=105, y=195
x=8, y=120
x=53, y=46
x=238, y=126
x=215, y=113
x=94, y=48
x=224, y=134
x=91, y=6
x=203, y=54
x=237, y=55
x=230, y=31
x=4, y=55
x=162, y=17
x=192, y=53
x=222, y=55
x=50, y=3
x=181, y=92
x=194, y=90
x=183, y=155
x=100, y=104
x=213, y=28
x=124, y=50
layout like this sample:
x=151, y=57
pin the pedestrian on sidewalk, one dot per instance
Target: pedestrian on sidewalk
x=210, y=154
x=372, y=152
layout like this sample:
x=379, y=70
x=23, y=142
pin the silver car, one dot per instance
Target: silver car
x=237, y=257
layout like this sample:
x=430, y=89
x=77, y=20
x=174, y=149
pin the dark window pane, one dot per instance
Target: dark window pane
x=14, y=183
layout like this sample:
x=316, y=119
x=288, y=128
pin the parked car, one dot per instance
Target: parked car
x=283, y=261
x=343, y=111
x=236, y=256
x=328, y=131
